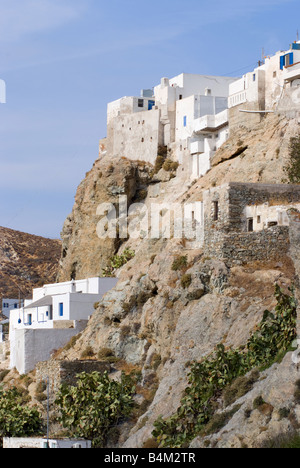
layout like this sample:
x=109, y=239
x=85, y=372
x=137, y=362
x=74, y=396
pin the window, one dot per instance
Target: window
x=215, y=211
x=61, y=309
x=258, y=219
x=151, y=104
x=140, y=102
x=286, y=60
x=250, y=224
x=254, y=76
x=184, y=121
x=180, y=97
x=274, y=74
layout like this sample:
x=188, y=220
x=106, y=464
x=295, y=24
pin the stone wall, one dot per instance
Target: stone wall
x=60, y=372
x=246, y=247
x=225, y=222
x=294, y=233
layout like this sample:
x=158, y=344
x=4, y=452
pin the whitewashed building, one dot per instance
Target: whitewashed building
x=48, y=321
x=262, y=89
x=187, y=113
x=10, y=304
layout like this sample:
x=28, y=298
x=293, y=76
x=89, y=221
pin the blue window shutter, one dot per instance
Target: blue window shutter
x=282, y=62
x=61, y=309
x=291, y=58
x=184, y=121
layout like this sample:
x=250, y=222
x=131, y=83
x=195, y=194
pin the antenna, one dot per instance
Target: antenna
x=263, y=55
x=297, y=35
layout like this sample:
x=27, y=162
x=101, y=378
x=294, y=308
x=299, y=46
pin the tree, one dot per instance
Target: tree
x=17, y=420
x=95, y=405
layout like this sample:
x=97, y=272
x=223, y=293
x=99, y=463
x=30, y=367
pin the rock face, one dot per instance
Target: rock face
x=26, y=261
x=84, y=253
x=159, y=318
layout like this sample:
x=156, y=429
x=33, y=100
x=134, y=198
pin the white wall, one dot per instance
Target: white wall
x=39, y=442
x=28, y=347
x=126, y=105
x=137, y=136
x=197, y=84
x=85, y=286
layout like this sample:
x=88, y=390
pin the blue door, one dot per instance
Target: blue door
x=151, y=104
x=61, y=309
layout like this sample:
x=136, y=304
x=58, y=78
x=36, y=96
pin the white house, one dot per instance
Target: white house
x=10, y=304
x=194, y=110
x=48, y=321
x=262, y=88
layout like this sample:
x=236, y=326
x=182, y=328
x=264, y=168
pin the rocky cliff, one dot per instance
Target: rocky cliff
x=173, y=305
x=26, y=261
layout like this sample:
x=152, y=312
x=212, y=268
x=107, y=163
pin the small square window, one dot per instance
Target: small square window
x=141, y=103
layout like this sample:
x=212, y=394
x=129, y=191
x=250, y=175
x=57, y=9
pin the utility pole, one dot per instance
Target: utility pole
x=47, y=380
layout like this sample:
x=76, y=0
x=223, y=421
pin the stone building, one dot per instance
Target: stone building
x=248, y=222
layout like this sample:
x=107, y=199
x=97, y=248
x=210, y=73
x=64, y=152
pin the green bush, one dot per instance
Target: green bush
x=186, y=281
x=117, y=261
x=179, y=263
x=17, y=420
x=292, y=169
x=94, y=407
x=170, y=166
x=87, y=353
x=159, y=162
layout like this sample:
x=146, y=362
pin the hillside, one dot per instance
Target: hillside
x=156, y=321
x=26, y=261
x=173, y=305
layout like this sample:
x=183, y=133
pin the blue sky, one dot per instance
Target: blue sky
x=63, y=60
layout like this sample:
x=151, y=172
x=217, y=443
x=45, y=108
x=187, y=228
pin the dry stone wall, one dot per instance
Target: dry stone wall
x=225, y=222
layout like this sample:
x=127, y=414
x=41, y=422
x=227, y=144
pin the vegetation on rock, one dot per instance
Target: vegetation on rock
x=292, y=169
x=117, y=261
x=209, y=377
x=17, y=419
x=96, y=405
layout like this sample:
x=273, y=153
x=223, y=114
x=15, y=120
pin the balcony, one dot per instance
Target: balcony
x=292, y=72
x=211, y=123
x=197, y=147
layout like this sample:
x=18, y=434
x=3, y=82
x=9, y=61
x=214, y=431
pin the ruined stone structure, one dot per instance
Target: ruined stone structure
x=59, y=372
x=237, y=238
